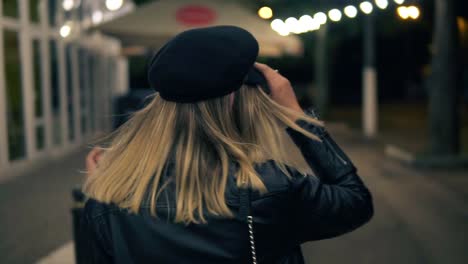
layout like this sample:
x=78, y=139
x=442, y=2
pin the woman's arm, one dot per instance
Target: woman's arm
x=336, y=201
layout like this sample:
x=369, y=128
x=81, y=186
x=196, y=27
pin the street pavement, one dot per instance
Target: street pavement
x=35, y=210
x=420, y=216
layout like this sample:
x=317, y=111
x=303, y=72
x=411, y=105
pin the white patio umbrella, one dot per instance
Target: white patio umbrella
x=151, y=25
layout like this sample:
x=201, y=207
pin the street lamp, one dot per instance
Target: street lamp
x=335, y=15
x=265, y=12
x=350, y=11
x=400, y=2
x=366, y=7
x=114, y=5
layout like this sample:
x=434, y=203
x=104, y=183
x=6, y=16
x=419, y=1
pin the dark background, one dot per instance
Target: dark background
x=403, y=51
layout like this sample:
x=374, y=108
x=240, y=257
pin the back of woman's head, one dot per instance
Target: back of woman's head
x=202, y=139
x=192, y=123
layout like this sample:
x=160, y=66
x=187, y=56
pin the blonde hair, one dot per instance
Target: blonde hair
x=203, y=137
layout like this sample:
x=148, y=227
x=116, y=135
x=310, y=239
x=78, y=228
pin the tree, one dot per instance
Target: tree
x=443, y=82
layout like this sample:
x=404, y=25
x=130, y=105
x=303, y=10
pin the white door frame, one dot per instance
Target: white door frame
x=3, y=114
x=27, y=80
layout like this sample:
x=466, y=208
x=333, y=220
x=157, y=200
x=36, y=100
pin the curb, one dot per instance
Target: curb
x=409, y=158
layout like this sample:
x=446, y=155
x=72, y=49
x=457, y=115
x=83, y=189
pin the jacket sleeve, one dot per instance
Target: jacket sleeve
x=334, y=202
x=95, y=249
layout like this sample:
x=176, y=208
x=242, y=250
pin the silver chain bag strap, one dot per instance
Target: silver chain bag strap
x=245, y=214
x=252, y=239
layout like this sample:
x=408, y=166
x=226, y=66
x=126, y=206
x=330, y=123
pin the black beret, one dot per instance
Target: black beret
x=203, y=63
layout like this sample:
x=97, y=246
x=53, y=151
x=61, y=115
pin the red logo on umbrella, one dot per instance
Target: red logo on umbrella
x=196, y=15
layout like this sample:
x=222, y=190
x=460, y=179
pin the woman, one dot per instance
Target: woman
x=217, y=167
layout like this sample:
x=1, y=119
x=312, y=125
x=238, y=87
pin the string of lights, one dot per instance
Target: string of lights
x=308, y=23
x=98, y=9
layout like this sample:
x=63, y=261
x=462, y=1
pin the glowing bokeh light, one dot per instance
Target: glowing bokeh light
x=97, y=17
x=114, y=5
x=279, y=26
x=413, y=12
x=403, y=12
x=309, y=23
x=366, y=7
x=67, y=5
x=335, y=15
x=265, y=12
x=350, y=11
x=294, y=26
x=321, y=18
x=65, y=30
x=382, y=4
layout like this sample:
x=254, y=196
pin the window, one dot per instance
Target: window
x=52, y=12
x=40, y=137
x=34, y=10
x=15, y=122
x=10, y=8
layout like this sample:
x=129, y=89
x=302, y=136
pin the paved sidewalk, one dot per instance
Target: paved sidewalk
x=420, y=216
x=35, y=210
x=63, y=255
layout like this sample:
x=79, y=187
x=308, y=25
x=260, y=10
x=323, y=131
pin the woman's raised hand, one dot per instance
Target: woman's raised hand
x=281, y=89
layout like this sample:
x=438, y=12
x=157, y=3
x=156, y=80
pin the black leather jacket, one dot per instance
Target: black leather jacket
x=293, y=211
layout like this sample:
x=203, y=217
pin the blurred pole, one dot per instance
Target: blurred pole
x=443, y=102
x=76, y=94
x=321, y=71
x=369, y=93
x=122, y=74
x=4, y=155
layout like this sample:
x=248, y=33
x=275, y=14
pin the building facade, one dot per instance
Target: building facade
x=58, y=79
